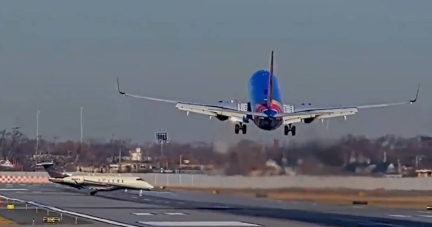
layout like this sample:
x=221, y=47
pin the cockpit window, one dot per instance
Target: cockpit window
x=140, y=179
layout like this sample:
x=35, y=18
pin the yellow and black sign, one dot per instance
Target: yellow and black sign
x=51, y=220
x=10, y=207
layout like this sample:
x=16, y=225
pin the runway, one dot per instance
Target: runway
x=199, y=209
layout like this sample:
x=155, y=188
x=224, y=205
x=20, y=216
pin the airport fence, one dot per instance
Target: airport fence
x=246, y=182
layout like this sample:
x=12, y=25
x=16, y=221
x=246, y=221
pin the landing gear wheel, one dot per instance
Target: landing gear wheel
x=237, y=128
x=289, y=128
x=244, y=129
x=93, y=193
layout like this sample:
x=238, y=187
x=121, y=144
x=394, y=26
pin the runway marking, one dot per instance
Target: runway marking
x=426, y=216
x=143, y=214
x=175, y=213
x=399, y=215
x=13, y=189
x=134, y=197
x=147, y=199
x=196, y=223
x=424, y=212
x=71, y=212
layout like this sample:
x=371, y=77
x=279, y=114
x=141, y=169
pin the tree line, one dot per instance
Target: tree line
x=244, y=157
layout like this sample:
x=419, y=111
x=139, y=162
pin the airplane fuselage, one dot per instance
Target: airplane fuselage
x=258, y=94
x=100, y=181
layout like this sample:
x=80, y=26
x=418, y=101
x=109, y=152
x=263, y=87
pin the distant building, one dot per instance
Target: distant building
x=136, y=155
x=6, y=164
x=424, y=173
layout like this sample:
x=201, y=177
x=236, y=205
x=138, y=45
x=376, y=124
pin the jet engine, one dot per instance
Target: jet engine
x=222, y=118
x=308, y=120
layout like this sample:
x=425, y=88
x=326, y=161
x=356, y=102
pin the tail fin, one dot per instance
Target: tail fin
x=52, y=172
x=270, y=88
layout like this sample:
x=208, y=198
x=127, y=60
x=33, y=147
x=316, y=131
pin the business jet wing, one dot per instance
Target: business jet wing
x=217, y=109
x=309, y=112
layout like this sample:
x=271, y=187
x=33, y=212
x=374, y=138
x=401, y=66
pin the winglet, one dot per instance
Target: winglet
x=415, y=99
x=118, y=87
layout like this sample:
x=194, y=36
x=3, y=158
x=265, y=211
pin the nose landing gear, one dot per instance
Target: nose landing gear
x=289, y=128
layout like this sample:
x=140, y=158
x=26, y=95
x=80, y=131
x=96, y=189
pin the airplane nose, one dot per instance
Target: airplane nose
x=150, y=186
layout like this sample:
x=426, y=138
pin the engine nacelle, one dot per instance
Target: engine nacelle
x=222, y=118
x=308, y=120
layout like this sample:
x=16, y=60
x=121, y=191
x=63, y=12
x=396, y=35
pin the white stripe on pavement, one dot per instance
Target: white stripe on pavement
x=399, y=215
x=143, y=214
x=13, y=189
x=175, y=213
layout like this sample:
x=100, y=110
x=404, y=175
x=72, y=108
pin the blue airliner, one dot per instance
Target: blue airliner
x=266, y=108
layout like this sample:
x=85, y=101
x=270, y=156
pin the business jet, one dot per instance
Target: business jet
x=265, y=108
x=95, y=183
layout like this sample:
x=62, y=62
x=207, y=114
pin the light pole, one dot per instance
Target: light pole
x=162, y=138
x=81, y=123
x=37, y=132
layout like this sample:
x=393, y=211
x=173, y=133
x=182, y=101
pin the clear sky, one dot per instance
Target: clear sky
x=57, y=56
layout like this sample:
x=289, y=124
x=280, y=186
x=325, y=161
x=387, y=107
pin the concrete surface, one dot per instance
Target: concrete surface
x=174, y=208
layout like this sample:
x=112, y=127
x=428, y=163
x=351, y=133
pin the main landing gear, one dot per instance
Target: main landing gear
x=289, y=128
x=241, y=127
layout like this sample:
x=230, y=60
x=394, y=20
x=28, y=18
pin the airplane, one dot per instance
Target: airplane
x=266, y=108
x=95, y=183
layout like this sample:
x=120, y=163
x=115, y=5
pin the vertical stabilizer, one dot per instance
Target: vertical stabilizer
x=52, y=171
x=270, y=85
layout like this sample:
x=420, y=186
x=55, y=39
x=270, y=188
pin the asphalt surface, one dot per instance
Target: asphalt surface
x=200, y=209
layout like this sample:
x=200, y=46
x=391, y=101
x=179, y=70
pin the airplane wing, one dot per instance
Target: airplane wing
x=205, y=109
x=299, y=115
x=308, y=112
